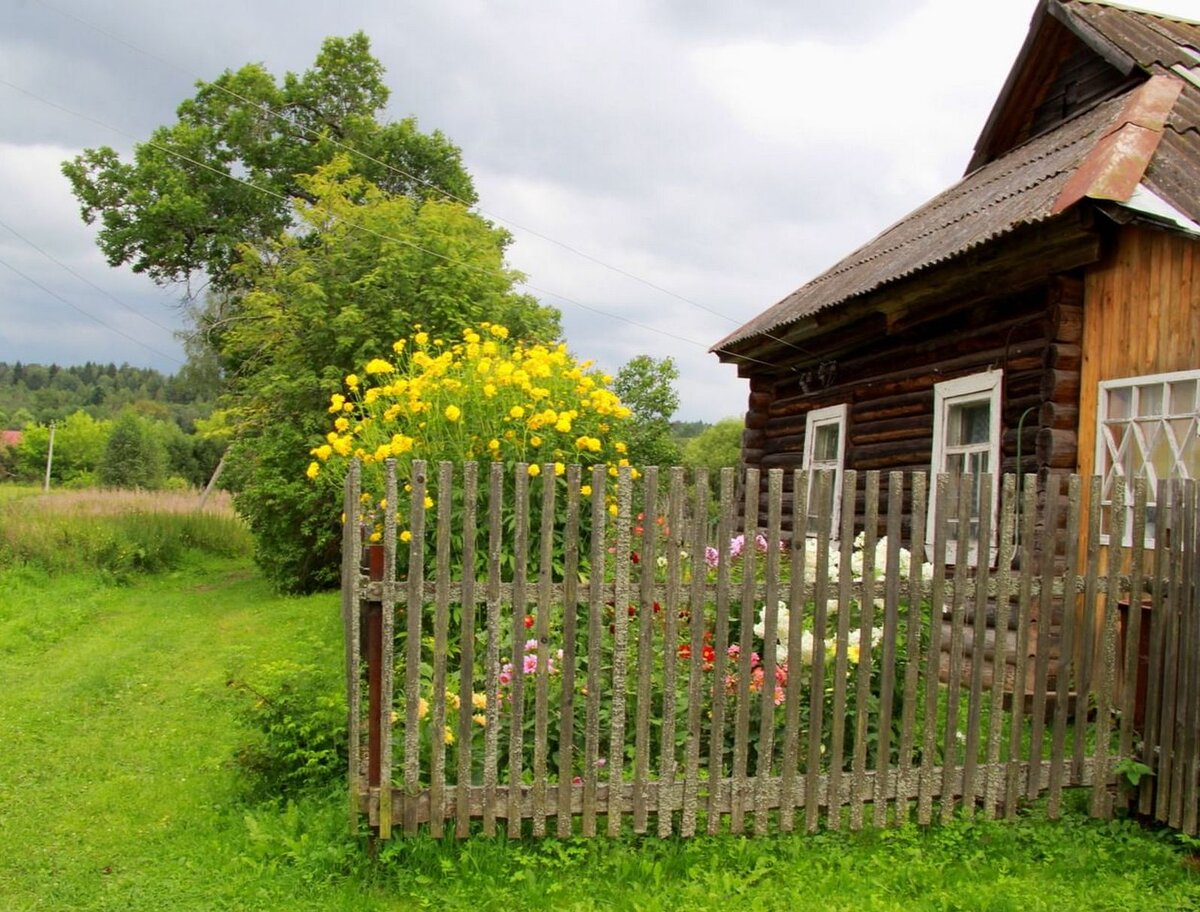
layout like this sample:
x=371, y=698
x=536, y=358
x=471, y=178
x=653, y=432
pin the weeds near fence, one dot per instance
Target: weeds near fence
x=115, y=532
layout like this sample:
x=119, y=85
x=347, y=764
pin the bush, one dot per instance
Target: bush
x=299, y=715
x=134, y=457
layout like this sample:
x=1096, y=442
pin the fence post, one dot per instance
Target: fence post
x=374, y=624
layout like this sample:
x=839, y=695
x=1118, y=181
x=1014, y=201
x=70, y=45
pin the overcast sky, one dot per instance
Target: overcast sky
x=720, y=152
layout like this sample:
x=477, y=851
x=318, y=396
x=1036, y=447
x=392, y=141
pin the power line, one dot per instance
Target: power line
x=90, y=316
x=84, y=279
x=266, y=109
x=402, y=241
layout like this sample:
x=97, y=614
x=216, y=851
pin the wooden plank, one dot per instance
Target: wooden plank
x=566, y=719
x=912, y=669
x=936, y=603
x=1101, y=803
x=441, y=645
x=766, y=729
x=816, y=690
x=615, y=762
x=696, y=612
x=516, y=703
x=1133, y=623
x=352, y=619
x=1168, y=522
x=1087, y=639
x=1007, y=530
x=961, y=502
x=1155, y=671
x=795, y=661
x=741, y=727
x=491, y=735
x=1043, y=617
x=415, y=610
x=978, y=656
x=591, y=743
x=866, y=659
x=841, y=659
x=1066, y=652
x=541, y=721
x=668, y=762
x=1190, y=765
x=467, y=637
x=645, y=646
x=716, y=734
x=891, y=625
x=1024, y=594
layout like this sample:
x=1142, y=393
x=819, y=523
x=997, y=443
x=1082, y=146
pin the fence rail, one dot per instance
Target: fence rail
x=523, y=656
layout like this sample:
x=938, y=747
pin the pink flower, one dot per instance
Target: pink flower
x=530, y=664
x=760, y=542
x=531, y=645
x=737, y=545
x=711, y=556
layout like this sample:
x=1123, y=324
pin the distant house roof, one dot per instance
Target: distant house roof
x=1139, y=149
x=10, y=438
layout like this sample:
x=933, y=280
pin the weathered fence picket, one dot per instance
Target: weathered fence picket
x=579, y=648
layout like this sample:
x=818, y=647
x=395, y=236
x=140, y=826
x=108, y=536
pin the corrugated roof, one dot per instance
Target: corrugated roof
x=1021, y=187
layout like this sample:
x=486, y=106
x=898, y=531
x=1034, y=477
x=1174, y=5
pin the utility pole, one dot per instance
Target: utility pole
x=49, y=460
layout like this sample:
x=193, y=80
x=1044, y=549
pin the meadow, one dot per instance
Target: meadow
x=137, y=641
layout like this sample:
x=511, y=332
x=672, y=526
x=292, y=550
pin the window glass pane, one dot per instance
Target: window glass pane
x=1120, y=402
x=968, y=423
x=1189, y=455
x=825, y=443
x=955, y=463
x=1149, y=400
x=1183, y=397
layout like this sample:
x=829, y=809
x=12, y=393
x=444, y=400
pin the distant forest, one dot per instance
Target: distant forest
x=40, y=393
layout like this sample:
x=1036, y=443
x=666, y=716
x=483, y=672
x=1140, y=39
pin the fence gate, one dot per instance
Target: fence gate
x=534, y=653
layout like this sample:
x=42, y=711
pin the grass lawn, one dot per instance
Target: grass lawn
x=118, y=791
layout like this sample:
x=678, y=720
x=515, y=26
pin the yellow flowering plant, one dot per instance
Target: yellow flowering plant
x=481, y=398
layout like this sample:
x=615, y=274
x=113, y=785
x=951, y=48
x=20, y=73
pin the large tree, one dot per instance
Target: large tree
x=324, y=234
x=225, y=173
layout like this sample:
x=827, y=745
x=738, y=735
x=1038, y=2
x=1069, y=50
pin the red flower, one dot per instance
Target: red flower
x=657, y=607
x=685, y=651
x=528, y=621
x=635, y=557
x=708, y=654
x=633, y=610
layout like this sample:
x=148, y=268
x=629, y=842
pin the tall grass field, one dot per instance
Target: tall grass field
x=140, y=653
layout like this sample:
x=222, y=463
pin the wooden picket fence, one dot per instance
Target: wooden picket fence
x=618, y=674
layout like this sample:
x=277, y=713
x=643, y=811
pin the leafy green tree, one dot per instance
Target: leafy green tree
x=718, y=446
x=647, y=386
x=365, y=269
x=134, y=456
x=225, y=173
x=79, y=443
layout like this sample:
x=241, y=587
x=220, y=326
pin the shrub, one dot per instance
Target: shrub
x=299, y=716
x=134, y=457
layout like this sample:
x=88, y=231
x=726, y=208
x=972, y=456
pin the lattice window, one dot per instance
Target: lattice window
x=824, y=449
x=1147, y=427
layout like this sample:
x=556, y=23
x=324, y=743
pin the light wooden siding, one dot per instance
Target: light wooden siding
x=1141, y=316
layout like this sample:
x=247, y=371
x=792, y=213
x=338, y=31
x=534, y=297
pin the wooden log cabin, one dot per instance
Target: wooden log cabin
x=1040, y=316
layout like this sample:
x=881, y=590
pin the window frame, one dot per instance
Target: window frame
x=823, y=417
x=1101, y=467
x=980, y=387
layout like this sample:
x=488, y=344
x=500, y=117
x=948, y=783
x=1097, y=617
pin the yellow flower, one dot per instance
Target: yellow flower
x=405, y=536
x=559, y=468
x=479, y=700
x=428, y=502
x=493, y=444
x=479, y=719
x=534, y=470
x=313, y=470
x=448, y=735
x=612, y=509
x=453, y=700
x=379, y=366
x=375, y=536
x=422, y=707
x=342, y=424
x=336, y=401
x=398, y=345
x=585, y=490
x=421, y=338
x=453, y=413
x=535, y=441
x=516, y=412
x=352, y=381
x=620, y=447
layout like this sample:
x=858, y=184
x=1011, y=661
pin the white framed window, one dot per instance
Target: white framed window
x=1146, y=427
x=825, y=450
x=966, y=441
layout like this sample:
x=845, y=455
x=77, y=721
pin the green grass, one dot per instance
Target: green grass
x=118, y=791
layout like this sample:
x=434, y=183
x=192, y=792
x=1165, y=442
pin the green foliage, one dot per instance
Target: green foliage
x=299, y=714
x=715, y=448
x=79, y=444
x=134, y=457
x=320, y=309
x=647, y=386
x=1132, y=771
x=174, y=210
